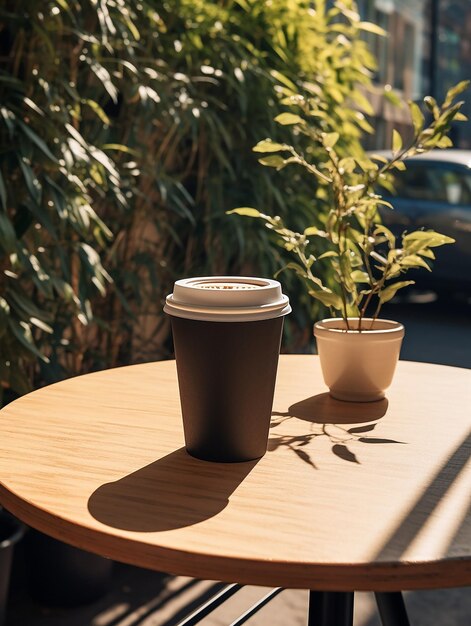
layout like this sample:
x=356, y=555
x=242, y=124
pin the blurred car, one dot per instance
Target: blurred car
x=434, y=191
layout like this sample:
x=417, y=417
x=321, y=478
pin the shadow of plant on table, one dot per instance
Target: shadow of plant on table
x=329, y=418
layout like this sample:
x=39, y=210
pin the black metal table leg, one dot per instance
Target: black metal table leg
x=392, y=609
x=330, y=608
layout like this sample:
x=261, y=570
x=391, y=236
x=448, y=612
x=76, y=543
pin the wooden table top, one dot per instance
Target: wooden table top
x=349, y=496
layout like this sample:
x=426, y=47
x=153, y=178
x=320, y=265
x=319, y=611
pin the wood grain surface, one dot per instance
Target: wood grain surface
x=348, y=497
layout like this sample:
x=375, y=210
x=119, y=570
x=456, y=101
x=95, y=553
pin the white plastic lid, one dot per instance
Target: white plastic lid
x=227, y=299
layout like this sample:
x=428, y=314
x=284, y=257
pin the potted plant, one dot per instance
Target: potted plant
x=363, y=262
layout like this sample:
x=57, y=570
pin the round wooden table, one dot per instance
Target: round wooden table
x=371, y=496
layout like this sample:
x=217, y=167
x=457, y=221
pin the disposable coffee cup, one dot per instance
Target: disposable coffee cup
x=227, y=335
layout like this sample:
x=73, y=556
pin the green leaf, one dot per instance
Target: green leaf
x=245, y=210
x=119, y=147
x=267, y=145
x=330, y=139
x=18, y=379
x=283, y=79
x=7, y=234
x=390, y=291
x=96, y=108
x=328, y=298
x=22, y=332
x=4, y=313
x=379, y=157
x=382, y=230
x=327, y=255
x=427, y=253
x=3, y=192
x=427, y=238
x=399, y=165
x=287, y=119
x=40, y=324
x=32, y=183
x=299, y=269
x=431, y=105
x=414, y=260
x=418, y=119
x=445, y=142
x=455, y=91
x=396, y=141
x=24, y=305
x=40, y=143
x=368, y=27
x=392, y=97
x=105, y=78
x=362, y=102
x=359, y=276
x=274, y=160
x=32, y=105
x=311, y=230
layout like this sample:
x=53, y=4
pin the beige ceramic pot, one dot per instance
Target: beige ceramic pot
x=358, y=366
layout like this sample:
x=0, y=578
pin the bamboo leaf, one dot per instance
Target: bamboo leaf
x=40, y=143
x=32, y=105
x=32, y=183
x=96, y=108
x=8, y=239
x=22, y=332
x=3, y=192
x=104, y=77
x=120, y=148
x=40, y=324
x=25, y=306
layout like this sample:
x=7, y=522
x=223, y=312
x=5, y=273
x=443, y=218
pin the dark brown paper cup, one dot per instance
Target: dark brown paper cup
x=226, y=375
x=227, y=334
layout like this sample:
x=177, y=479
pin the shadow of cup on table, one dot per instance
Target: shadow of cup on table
x=172, y=492
x=323, y=409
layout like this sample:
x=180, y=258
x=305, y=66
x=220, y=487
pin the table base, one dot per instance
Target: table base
x=326, y=608
x=330, y=608
x=334, y=608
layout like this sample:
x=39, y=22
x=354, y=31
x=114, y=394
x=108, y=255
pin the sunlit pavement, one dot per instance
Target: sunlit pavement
x=437, y=331
x=143, y=598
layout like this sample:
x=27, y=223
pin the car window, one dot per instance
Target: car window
x=434, y=182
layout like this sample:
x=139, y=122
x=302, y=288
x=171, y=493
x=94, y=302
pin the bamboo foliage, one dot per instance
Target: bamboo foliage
x=126, y=129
